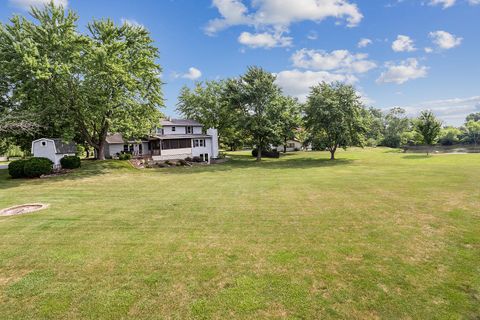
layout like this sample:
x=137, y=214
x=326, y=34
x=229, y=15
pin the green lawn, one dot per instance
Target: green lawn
x=375, y=234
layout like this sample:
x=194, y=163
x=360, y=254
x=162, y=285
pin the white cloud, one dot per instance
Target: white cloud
x=265, y=40
x=474, y=2
x=400, y=73
x=339, y=61
x=364, y=42
x=444, y=3
x=451, y=111
x=428, y=50
x=280, y=14
x=192, y=74
x=26, y=4
x=297, y=83
x=445, y=40
x=403, y=43
x=132, y=22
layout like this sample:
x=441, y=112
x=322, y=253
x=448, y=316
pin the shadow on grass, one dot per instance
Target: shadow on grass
x=89, y=168
x=248, y=162
x=416, y=156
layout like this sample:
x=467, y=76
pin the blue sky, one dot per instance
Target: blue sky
x=416, y=54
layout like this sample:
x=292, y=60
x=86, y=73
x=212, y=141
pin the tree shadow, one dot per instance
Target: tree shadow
x=88, y=169
x=416, y=156
x=241, y=161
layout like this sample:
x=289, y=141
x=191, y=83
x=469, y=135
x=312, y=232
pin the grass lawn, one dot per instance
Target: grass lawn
x=375, y=234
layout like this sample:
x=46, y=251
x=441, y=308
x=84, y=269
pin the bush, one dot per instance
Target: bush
x=188, y=159
x=16, y=169
x=125, y=156
x=36, y=167
x=197, y=159
x=266, y=153
x=70, y=162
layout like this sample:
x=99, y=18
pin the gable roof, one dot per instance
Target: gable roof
x=115, y=138
x=180, y=122
x=64, y=147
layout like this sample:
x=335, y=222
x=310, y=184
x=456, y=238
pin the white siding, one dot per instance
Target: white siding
x=113, y=149
x=197, y=130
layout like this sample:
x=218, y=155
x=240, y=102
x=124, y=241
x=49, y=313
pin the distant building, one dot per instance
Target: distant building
x=175, y=139
x=53, y=149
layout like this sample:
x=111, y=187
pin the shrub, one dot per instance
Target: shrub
x=188, y=159
x=125, y=156
x=35, y=167
x=196, y=159
x=266, y=153
x=16, y=169
x=182, y=163
x=169, y=163
x=70, y=162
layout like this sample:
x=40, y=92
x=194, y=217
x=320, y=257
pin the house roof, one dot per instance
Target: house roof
x=115, y=138
x=61, y=146
x=180, y=122
x=181, y=136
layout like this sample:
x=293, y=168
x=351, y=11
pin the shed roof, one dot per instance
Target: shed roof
x=115, y=138
x=64, y=147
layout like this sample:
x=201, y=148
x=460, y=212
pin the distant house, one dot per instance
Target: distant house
x=175, y=139
x=292, y=145
x=53, y=149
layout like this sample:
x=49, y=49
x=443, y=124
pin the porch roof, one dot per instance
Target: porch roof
x=180, y=136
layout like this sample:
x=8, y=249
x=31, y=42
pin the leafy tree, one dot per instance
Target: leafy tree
x=256, y=96
x=290, y=119
x=77, y=85
x=473, y=131
x=428, y=126
x=375, y=120
x=206, y=103
x=473, y=116
x=396, y=123
x=334, y=115
x=449, y=135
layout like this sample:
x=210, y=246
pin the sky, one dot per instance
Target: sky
x=415, y=54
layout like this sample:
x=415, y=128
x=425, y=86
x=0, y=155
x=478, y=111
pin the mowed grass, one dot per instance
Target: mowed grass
x=374, y=234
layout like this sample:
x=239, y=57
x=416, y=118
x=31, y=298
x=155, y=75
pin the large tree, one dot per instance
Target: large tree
x=473, y=131
x=290, y=119
x=396, y=123
x=206, y=103
x=256, y=96
x=334, y=116
x=81, y=85
x=428, y=126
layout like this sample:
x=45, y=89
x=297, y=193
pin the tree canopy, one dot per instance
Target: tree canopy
x=81, y=86
x=257, y=98
x=334, y=116
x=428, y=126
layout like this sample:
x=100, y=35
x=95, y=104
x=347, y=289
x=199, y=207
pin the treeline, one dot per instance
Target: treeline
x=252, y=111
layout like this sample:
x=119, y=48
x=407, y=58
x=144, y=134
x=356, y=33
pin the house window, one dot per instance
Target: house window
x=176, y=144
x=195, y=143
x=44, y=143
x=202, y=142
x=188, y=130
x=125, y=148
x=173, y=128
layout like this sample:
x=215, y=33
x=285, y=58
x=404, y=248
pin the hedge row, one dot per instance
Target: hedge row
x=70, y=162
x=266, y=153
x=32, y=168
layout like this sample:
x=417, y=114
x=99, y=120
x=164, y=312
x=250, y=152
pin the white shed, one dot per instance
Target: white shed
x=53, y=149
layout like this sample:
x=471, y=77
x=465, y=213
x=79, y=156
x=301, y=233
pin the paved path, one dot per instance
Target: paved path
x=3, y=166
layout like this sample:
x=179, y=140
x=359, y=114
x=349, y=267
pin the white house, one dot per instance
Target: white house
x=292, y=145
x=53, y=149
x=175, y=139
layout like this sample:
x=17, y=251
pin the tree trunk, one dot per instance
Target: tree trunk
x=332, y=154
x=285, y=145
x=87, y=152
x=259, y=154
x=101, y=150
